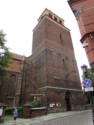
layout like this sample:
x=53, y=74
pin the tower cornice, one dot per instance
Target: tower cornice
x=46, y=17
x=74, y=1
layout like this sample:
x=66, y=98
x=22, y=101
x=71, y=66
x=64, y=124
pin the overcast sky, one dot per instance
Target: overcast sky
x=19, y=17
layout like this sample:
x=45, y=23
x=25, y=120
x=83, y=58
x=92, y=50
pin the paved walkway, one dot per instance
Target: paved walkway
x=64, y=118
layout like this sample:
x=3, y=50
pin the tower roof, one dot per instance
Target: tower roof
x=17, y=56
x=50, y=14
x=73, y=1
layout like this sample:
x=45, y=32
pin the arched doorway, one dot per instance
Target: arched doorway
x=67, y=100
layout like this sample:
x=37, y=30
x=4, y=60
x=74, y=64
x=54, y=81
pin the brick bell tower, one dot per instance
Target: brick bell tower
x=55, y=72
x=84, y=13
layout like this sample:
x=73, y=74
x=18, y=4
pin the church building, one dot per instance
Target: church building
x=50, y=73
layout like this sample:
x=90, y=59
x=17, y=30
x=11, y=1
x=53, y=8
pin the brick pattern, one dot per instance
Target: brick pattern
x=57, y=62
x=51, y=64
x=84, y=12
x=53, y=59
x=10, y=87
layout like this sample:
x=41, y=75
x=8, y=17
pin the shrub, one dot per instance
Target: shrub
x=9, y=111
x=33, y=104
x=20, y=112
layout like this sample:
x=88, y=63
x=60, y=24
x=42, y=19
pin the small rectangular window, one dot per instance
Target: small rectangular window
x=61, y=39
x=55, y=18
x=50, y=15
x=60, y=21
x=63, y=61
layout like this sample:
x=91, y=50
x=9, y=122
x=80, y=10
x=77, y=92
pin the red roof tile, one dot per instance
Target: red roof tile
x=18, y=57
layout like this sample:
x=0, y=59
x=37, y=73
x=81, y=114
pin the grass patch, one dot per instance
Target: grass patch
x=8, y=117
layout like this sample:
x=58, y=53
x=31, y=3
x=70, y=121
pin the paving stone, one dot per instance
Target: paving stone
x=64, y=118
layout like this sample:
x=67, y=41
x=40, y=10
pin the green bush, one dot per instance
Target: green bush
x=20, y=112
x=9, y=111
x=33, y=104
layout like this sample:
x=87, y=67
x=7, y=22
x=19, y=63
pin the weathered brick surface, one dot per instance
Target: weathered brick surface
x=11, y=86
x=53, y=58
x=52, y=69
x=84, y=12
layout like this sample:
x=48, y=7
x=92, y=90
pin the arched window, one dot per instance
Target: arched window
x=11, y=86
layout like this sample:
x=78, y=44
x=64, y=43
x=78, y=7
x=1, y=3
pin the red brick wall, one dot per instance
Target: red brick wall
x=10, y=87
x=85, y=19
x=53, y=59
x=53, y=49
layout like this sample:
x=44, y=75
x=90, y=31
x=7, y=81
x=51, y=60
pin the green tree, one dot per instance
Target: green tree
x=5, y=55
x=89, y=74
x=88, y=95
